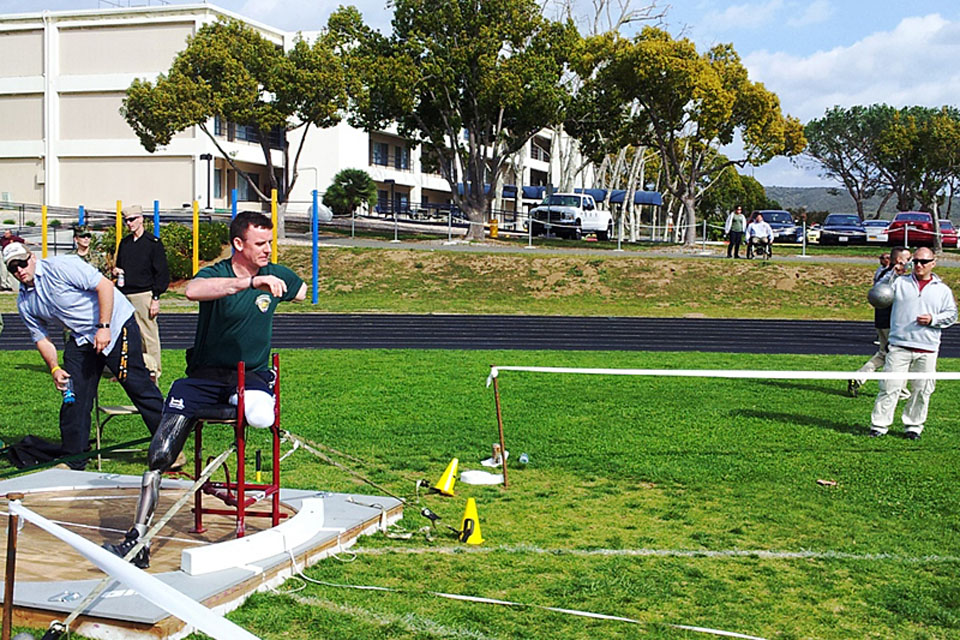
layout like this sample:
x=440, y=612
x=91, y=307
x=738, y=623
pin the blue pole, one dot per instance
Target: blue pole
x=156, y=218
x=315, y=229
x=233, y=204
x=82, y=216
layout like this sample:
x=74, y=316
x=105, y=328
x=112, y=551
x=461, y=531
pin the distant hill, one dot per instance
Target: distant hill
x=834, y=201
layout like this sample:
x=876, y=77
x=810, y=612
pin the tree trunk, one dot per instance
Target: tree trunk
x=689, y=207
x=475, y=215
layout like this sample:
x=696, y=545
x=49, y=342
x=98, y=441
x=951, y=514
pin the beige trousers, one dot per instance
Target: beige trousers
x=915, y=411
x=149, y=331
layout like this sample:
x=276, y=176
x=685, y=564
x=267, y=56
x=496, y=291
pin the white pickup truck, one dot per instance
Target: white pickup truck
x=571, y=215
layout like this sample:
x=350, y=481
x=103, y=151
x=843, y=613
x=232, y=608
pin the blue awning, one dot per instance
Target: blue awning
x=598, y=194
x=509, y=191
x=486, y=188
x=617, y=196
x=534, y=193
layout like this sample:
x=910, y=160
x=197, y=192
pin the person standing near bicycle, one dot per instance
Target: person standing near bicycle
x=759, y=235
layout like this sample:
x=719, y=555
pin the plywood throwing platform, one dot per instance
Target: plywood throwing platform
x=214, y=568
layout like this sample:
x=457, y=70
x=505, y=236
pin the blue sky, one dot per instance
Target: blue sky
x=814, y=54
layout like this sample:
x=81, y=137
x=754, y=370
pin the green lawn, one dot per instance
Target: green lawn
x=640, y=496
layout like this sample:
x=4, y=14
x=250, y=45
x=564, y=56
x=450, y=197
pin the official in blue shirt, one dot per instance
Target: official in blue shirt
x=68, y=291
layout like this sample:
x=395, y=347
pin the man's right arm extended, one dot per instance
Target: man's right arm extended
x=203, y=289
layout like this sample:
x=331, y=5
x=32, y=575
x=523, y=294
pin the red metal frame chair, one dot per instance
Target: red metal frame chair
x=235, y=494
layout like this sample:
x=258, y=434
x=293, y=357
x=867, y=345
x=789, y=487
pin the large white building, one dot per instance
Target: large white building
x=63, y=142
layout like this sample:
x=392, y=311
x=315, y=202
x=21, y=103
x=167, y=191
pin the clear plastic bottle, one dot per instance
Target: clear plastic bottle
x=69, y=397
x=120, y=279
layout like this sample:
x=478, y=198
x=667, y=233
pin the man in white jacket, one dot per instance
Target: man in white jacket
x=759, y=235
x=923, y=305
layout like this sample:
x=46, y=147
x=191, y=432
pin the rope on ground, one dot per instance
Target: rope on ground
x=314, y=448
x=208, y=471
x=509, y=603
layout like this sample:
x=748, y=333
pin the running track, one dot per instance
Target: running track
x=401, y=331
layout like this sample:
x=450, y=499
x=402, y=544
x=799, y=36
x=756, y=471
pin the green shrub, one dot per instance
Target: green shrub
x=9, y=221
x=55, y=223
x=30, y=223
x=213, y=235
x=178, y=244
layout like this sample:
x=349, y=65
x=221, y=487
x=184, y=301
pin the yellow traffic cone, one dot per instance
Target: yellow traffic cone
x=470, y=526
x=448, y=479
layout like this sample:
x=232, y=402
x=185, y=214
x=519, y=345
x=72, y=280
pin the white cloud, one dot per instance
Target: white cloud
x=308, y=15
x=915, y=63
x=742, y=16
x=814, y=13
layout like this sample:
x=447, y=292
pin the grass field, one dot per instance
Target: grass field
x=668, y=501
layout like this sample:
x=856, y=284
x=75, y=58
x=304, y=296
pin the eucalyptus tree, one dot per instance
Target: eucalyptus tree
x=659, y=91
x=844, y=146
x=472, y=81
x=229, y=70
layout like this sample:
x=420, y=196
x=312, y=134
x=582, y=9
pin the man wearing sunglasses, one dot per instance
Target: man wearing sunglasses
x=8, y=282
x=143, y=262
x=922, y=306
x=103, y=333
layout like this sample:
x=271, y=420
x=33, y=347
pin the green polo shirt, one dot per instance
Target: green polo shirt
x=239, y=326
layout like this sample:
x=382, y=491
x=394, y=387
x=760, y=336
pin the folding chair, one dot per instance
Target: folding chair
x=108, y=412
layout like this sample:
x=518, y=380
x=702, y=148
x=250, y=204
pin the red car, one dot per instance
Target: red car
x=948, y=234
x=911, y=228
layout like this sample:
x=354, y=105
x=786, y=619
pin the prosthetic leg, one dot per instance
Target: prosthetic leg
x=167, y=442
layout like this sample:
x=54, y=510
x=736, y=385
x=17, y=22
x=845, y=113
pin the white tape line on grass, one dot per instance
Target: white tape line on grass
x=674, y=553
x=508, y=603
x=738, y=373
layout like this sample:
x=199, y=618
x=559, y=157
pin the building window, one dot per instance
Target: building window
x=248, y=133
x=380, y=154
x=218, y=128
x=401, y=201
x=245, y=192
x=538, y=178
x=383, y=201
x=540, y=149
x=402, y=158
x=218, y=183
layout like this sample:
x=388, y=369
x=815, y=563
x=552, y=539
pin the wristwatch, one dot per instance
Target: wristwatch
x=102, y=325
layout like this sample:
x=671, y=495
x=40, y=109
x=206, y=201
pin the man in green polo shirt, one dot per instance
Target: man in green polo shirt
x=237, y=301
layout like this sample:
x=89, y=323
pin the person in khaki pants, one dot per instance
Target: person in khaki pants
x=142, y=275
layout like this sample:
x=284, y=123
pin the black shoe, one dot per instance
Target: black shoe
x=853, y=388
x=875, y=433
x=912, y=435
x=141, y=560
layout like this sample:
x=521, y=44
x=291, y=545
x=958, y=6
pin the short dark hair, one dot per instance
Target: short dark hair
x=240, y=224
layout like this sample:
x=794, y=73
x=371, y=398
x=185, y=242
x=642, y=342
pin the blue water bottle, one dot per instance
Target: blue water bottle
x=69, y=397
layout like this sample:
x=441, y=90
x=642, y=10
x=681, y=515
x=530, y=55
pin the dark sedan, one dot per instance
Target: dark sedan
x=784, y=227
x=843, y=228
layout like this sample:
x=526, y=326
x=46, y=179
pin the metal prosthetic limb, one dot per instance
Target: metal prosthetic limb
x=166, y=444
x=147, y=503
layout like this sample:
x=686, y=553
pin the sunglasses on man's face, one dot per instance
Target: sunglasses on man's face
x=131, y=219
x=923, y=260
x=15, y=265
x=84, y=235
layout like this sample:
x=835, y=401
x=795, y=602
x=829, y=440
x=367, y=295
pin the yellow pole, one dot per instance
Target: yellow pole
x=119, y=229
x=196, y=237
x=273, y=218
x=43, y=231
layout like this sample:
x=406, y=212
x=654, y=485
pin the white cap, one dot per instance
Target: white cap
x=15, y=251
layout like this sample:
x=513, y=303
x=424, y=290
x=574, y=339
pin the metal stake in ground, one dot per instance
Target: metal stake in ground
x=503, y=449
x=13, y=522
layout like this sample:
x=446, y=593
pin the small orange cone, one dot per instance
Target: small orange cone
x=448, y=479
x=470, y=526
